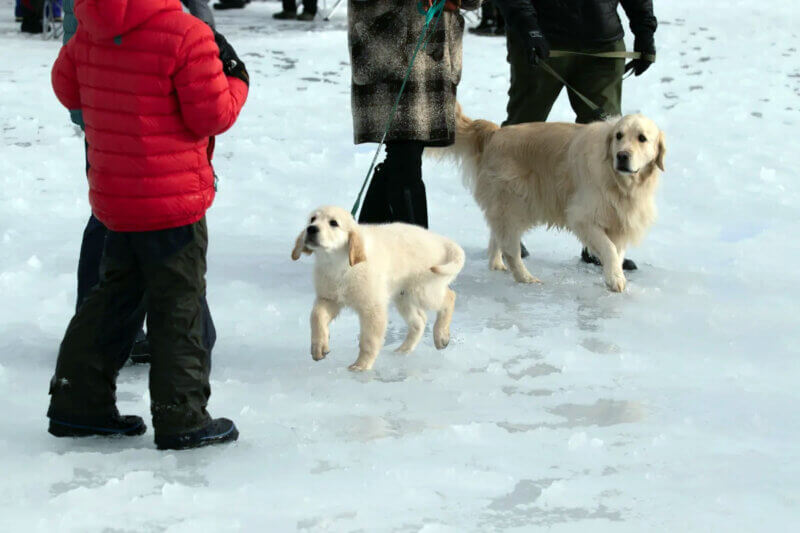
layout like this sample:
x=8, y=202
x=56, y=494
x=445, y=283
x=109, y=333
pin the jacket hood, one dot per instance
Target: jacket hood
x=109, y=18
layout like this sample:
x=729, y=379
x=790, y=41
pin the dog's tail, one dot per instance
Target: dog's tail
x=454, y=261
x=471, y=139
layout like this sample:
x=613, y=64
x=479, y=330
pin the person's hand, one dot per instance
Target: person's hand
x=538, y=47
x=646, y=47
x=231, y=64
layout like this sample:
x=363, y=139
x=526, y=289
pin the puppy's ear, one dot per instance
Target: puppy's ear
x=662, y=151
x=300, y=246
x=357, y=253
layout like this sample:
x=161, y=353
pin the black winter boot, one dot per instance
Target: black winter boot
x=32, y=24
x=230, y=4
x=140, y=354
x=218, y=431
x=107, y=426
x=586, y=257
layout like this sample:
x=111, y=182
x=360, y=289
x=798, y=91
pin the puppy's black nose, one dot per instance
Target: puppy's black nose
x=623, y=158
x=312, y=230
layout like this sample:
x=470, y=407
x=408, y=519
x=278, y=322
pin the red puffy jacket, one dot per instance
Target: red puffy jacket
x=150, y=84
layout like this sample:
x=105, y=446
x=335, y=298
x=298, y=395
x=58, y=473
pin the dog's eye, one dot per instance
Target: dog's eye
x=313, y=219
x=642, y=139
x=334, y=224
x=619, y=135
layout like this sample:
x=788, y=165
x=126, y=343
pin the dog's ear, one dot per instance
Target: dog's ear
x=300, y=246
x=662, y=151
x=357, y=253
x=609, y=140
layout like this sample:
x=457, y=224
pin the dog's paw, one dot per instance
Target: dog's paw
x=498, y=265
x=404, y=348
x=319, y=351
x=526, y=277
x=615, y=281
x=359, y=367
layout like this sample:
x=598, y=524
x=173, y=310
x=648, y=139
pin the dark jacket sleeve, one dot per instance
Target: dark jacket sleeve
x=520, y=15
x=640, y=13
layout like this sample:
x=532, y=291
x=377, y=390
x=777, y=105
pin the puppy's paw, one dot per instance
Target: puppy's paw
x=404, y=348
x=319, y=351
x=441, y=340
x=615, y=281
x=359, y=367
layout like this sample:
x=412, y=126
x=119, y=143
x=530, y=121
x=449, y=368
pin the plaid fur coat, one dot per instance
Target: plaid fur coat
x=382, y=35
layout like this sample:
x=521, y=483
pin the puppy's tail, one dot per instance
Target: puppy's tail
x=471, y=139
x=454, y=261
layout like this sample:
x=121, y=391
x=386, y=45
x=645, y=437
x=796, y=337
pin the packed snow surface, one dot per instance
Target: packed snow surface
x=561, y=406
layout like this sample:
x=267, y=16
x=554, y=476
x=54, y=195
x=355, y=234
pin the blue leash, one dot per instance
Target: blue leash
x=435, y=12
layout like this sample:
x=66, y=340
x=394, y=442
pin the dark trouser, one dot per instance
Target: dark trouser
x=166, y=269
x=94, y=238
x=534, y=91
x=309, y=6
x=397, y=192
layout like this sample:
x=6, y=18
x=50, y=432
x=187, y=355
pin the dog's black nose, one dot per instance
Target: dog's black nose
x=623, y=158
x=312, y=230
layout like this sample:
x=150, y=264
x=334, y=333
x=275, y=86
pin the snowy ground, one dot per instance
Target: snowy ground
x=672, y=407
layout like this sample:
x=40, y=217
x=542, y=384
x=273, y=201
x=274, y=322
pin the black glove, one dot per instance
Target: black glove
x=645, y=46
x=231, y=64
x=538, y=47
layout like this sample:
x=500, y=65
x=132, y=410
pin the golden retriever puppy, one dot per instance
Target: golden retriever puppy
x=597, y=180
x=364, y=267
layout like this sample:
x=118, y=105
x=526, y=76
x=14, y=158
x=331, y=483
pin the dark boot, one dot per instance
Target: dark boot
x=306, y=16
x=586, y=257
x=486, y=27
x=375, y=207
x=107, y=426
x=285, y=15
x=140, y=354
x=230, y=4
x=217, y=431
x=32, y=24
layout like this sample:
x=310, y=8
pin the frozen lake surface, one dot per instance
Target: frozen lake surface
x=671, y=407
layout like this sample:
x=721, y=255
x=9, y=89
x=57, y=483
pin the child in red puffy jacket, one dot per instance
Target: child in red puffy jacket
x=153, y=84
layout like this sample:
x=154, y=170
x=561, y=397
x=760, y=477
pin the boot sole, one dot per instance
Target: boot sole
x=230, y=436
x=65, y=429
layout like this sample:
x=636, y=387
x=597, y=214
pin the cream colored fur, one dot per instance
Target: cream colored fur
x=565, y=176
x=364, y=267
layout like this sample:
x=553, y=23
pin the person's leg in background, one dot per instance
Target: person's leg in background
x=488, y=20
x=89, y=266
x=200, y=9
x=83, y=388
x=533, y=91
x=600, y=80
x=396, y=192
x=289, y=11
x=182, y=336
x=309, y=11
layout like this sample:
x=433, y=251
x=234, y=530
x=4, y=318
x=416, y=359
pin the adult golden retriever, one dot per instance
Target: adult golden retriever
x=365, y=266
x=597, y=180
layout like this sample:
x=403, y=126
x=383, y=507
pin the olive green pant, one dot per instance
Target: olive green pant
x=165, y=269
x=534, y=91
